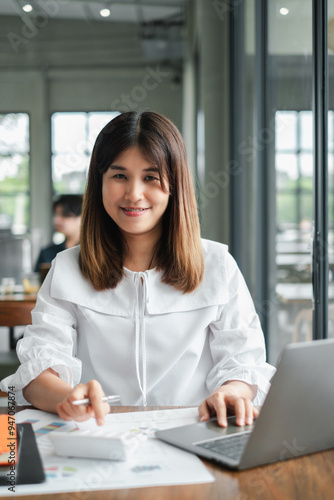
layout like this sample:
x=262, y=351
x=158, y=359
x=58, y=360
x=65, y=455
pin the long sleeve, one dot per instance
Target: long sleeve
x=49, y=343
x=188, y=344
x=236, y=339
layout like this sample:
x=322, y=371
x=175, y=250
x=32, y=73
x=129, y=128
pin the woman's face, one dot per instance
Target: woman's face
x=132, y=194
x=69, y=225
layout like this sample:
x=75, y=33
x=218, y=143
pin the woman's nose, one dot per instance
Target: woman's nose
x=134, y=191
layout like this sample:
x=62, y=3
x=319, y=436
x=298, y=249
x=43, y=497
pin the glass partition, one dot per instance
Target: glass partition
x=290, y=74
x=331, y=168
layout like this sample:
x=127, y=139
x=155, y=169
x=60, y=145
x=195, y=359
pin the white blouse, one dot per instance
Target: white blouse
x=145, y=340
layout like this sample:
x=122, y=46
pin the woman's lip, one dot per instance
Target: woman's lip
x=133, y=212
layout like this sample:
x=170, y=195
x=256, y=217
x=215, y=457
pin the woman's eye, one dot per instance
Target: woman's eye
x=119, y=176
x=151, y=178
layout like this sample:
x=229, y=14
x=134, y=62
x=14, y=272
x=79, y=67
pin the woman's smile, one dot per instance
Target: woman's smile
x=132, y=194
x=134, y=212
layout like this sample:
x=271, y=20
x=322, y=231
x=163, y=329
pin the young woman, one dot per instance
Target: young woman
x=143, y=308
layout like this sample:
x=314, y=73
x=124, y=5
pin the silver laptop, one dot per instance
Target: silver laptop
x=296, y=418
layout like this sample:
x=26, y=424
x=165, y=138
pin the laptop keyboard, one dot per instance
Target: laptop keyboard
x=231, y=447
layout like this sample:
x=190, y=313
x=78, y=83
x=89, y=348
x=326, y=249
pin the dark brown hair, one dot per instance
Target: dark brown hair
x=179, y=251
x=71, y=204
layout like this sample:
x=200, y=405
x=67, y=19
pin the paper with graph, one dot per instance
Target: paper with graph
x=154, y=463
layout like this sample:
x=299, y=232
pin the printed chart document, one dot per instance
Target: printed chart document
x=153, y=463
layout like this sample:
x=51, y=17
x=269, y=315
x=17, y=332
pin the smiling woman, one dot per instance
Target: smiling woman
x=134, y=198
x=145, y=308
x=139, y=161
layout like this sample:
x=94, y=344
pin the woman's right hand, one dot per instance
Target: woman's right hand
x=98, y=409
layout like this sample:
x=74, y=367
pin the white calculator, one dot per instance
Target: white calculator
x=100, y=444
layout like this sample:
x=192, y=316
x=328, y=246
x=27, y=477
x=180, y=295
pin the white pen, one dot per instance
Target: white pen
x=87, y=401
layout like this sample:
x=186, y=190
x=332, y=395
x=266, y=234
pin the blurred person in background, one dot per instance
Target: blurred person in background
x=66, y=220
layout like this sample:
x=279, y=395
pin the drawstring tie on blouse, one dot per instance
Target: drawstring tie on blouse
x=141, y=293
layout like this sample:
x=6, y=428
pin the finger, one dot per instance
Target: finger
x=68, y=411
x=64, y=410
x=256, y=412
x=248, y=412
x=239, y=407
x=95, y=394
x=219, y=405
x=63, y=414
x=203, y=412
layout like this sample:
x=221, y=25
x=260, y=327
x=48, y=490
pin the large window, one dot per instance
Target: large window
x=290, y=89
x=282, y=65
x=294, y=172
x=73, y=137
x=14, y=173
x=273, y=157
x=294, y=221
x=294, y=195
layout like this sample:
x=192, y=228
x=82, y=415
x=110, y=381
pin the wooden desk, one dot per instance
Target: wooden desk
x=15, y=310
x=307, y=478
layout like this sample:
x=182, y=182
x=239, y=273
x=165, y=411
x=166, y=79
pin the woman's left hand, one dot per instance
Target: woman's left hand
x=234, y=396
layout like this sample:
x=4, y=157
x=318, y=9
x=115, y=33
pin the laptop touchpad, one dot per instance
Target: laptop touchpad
x=232, y=428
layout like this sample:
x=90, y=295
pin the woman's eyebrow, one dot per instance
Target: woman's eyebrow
x=119, y=167
x=151, y=169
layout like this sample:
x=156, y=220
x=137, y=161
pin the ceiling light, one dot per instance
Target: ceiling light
x=105, y=12
x=27, y=7
x=284, y=11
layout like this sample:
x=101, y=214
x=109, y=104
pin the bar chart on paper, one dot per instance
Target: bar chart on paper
x=153, y=464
